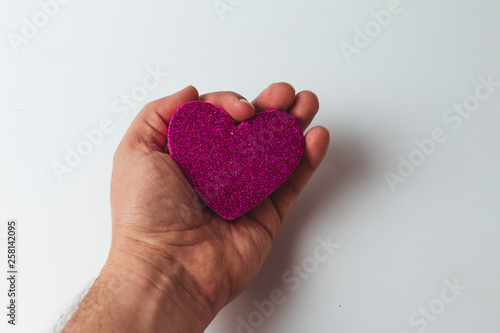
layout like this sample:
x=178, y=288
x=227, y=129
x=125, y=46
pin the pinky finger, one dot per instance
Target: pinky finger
x=317, y=140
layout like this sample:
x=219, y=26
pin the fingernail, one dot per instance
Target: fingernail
x=244, y=100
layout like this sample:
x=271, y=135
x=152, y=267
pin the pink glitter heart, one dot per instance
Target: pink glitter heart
x=233, y=168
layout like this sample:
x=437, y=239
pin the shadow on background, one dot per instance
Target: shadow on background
x=344, y=164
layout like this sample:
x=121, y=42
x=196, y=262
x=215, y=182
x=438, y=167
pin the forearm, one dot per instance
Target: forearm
x=132, y=294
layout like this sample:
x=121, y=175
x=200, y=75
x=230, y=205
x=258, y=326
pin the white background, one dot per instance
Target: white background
x=397, y=248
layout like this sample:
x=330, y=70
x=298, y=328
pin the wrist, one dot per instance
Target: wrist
x=139, y=290
x=162, y=295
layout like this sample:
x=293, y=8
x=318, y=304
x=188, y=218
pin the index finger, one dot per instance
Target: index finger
x=234, y=104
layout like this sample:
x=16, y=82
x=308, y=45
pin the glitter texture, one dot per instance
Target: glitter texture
x=233, y=168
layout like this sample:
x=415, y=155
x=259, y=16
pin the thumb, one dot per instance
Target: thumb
x=148, y=131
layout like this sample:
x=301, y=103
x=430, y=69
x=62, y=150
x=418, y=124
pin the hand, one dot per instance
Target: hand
x=185, y=260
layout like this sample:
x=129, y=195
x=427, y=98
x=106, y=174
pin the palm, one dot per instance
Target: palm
x=153, y=203
x=212, y=250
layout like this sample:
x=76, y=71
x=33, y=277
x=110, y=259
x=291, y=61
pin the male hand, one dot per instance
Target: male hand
x=174, y=263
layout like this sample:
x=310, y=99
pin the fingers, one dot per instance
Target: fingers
x=278, y=96
x=316, y=146
x=165, y=107
x=149, y=128
x=304, y=108
x=234, y=104
x=281, y=96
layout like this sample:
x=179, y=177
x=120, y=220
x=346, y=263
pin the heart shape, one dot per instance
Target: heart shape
x=233, y=168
